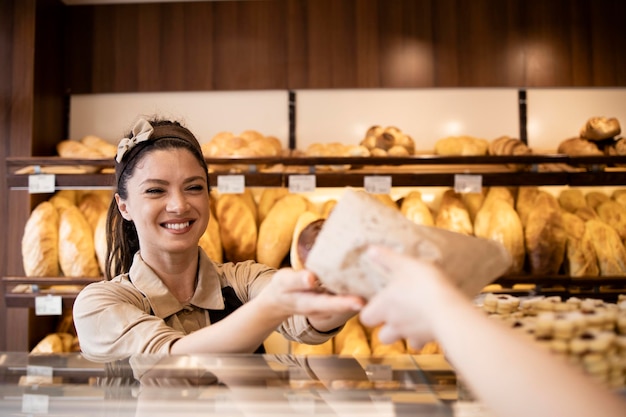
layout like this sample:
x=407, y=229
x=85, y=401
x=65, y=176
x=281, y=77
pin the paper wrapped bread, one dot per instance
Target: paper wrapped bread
x=40, y=243
x=359, y=220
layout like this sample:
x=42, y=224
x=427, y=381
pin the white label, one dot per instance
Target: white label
x=377, y=184
x=377, y=372
x=231, y=184
x=41, y=183
x=464, y=183
x=49, y=305
x=301, y=183
x=35, y=404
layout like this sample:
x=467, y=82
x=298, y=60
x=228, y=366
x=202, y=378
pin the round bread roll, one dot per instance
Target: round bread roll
x=40, y=243
x=307, y=227
x=578, y=147
x=599, y=128
x=77, y=255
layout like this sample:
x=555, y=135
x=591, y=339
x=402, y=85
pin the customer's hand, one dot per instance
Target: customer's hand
x=408, y=304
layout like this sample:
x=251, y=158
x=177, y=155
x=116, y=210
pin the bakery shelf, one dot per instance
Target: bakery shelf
x=65, y=287
x=418, y=170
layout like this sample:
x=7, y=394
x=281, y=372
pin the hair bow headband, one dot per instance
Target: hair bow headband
x=140, y=133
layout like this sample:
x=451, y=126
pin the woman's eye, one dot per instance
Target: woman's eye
x=154, y=191
x=196, y=187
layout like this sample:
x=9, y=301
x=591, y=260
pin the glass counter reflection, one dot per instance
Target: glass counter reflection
x=246, y=385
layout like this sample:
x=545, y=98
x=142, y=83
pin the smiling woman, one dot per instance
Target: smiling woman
x=163, y=294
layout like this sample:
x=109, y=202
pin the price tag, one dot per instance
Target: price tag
x=379, y=372
x=41, y=183
x=377, y=184
x=36, y=374
x=231, y=184
x=464, y=183
x=35, y=404
x=49, y=305
x=301, y=183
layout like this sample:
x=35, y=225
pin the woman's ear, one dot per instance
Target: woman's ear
x=122, y=207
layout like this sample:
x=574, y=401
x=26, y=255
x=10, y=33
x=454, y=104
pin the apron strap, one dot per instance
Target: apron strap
x=231, y=303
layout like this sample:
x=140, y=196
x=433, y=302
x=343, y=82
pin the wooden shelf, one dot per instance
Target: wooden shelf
x=419, y=170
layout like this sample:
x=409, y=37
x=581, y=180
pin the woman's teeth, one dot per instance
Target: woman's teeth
x=176, y=226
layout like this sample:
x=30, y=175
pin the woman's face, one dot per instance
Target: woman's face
x=168, y=202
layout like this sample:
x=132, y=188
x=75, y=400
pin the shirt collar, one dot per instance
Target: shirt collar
x=208, y=293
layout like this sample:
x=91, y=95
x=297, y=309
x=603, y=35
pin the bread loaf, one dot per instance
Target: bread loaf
x=77, y=255
x=599, y=128
x=276, y=231
x=100, y=241
x=304, y=234
x=578, y=147
x=571, y=199
x=75, y=149
x=100, y=145
x=525, y=202
x=461, y=145
x=608, y=247
x=595, y=198
x=612, y=213
x=581, y=259
x=414, y=209
x=545, y=236
x=453, y=215
x=92, y=206
x=238, y=230
x=40, y=243
x=211, y=242
x=497, y=220
x=268, y=197
x=352, y=339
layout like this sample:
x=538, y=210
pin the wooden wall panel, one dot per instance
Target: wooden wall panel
x=291, y=44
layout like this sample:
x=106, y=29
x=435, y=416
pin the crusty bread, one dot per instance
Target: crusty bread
x=453, y=215
x=40, y=243
x=105, y=148
x=599, y=128
x=359, y=220
x=238, y=230
x=303, y=238
x=461, y=145
x=276, y=231
x=578, y=147
x=77, y=255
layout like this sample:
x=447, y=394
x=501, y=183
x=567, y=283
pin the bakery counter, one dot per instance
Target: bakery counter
x=238, y=385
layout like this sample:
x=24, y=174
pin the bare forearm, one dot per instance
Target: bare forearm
x=512, y=375
x=241, y=332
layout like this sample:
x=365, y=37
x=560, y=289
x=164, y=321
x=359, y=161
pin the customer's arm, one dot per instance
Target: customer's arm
x=513, y=376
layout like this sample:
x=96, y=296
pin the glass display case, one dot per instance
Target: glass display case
x=225, y=385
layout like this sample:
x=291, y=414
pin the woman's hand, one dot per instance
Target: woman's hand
x=293, y=292
x=408, y=304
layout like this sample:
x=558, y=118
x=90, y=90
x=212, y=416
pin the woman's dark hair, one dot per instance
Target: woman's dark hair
x=122, y=239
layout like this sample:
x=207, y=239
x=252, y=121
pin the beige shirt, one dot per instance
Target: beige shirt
x=135, y=312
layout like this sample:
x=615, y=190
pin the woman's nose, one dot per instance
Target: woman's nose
x=177, y=203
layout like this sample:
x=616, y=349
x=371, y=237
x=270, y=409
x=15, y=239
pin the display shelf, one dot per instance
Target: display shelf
x=419, y=170
x=65, y=287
